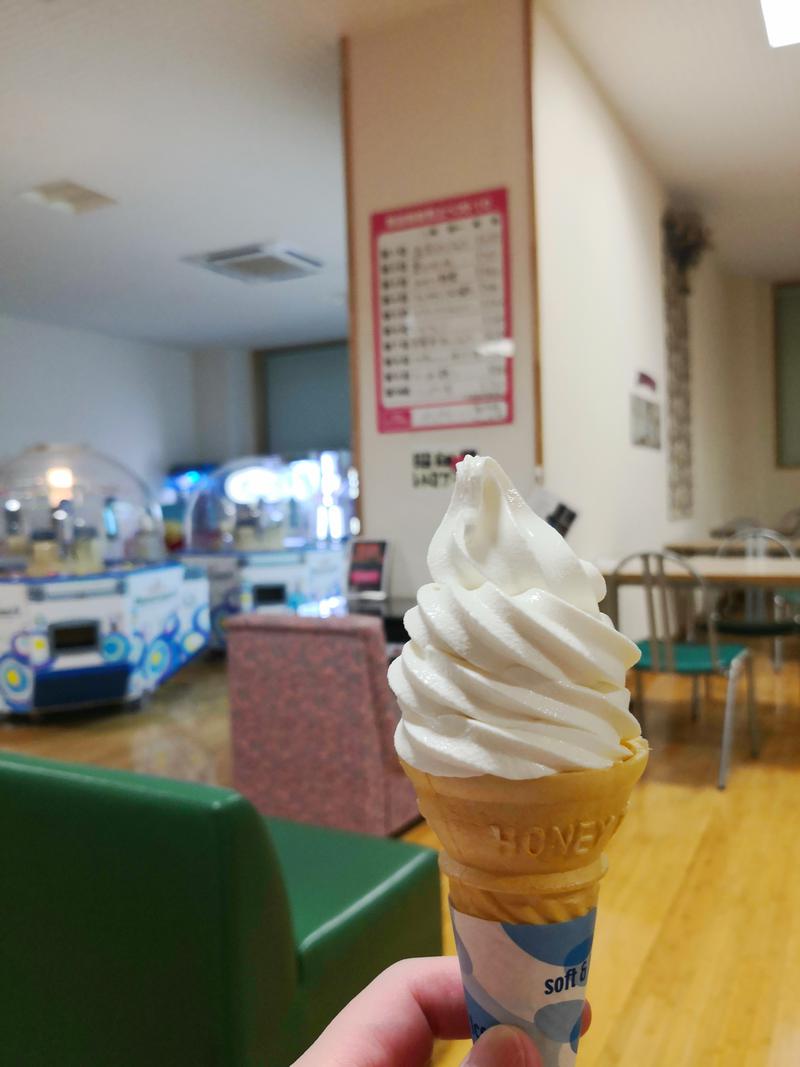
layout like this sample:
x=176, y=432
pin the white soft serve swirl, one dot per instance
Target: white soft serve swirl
x=511, y=669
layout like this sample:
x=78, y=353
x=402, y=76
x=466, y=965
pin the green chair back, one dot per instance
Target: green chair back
x=145, y=922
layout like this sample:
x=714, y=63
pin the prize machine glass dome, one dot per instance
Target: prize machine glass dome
x=91, y=613
x=272, y=533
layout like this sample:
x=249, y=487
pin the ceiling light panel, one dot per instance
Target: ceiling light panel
x=68, y=197
x=782, y=19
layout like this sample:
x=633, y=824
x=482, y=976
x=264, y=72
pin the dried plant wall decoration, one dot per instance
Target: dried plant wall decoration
x=685, y=239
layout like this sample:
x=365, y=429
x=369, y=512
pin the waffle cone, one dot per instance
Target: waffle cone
x=527, y=851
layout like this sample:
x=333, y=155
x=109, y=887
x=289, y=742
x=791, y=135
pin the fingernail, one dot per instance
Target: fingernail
x=503, y=1045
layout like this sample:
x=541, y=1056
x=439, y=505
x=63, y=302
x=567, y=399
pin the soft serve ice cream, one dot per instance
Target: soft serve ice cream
x=517, y=738
x=512, y=670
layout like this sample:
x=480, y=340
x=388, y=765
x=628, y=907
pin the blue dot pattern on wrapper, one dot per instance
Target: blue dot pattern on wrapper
x=561, y=1022
x=564, y=944
x=479, y=1017
x=530, y=976
x=575, y=1036
x=488, y=1012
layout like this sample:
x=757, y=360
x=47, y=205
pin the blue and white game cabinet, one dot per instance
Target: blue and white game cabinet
x=91, y=612
x=272, y=534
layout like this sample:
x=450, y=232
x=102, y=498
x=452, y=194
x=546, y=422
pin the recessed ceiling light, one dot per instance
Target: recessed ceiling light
x=782, y=19
x=66, y=196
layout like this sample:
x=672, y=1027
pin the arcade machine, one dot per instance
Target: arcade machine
x=91, y=613
x=181, y=482
x=272, y=534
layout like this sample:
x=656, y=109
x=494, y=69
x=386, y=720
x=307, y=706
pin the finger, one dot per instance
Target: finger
x=499, y=1049
x=586, y=1018
x=395, y=1019
x=503, y=1046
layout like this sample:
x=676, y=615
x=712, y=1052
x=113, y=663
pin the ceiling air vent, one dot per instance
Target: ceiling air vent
x=259, y=263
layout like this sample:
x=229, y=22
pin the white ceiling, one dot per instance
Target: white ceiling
x=715, y=109
x=213, y=123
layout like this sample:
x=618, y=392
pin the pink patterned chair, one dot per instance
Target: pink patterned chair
x=313, y=721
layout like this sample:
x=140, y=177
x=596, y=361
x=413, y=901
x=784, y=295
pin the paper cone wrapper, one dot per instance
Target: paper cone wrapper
x=524, y=860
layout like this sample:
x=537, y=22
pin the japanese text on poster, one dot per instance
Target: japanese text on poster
x=442, y=314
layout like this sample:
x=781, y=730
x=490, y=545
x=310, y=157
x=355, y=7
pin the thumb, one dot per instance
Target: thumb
x=503, y=1046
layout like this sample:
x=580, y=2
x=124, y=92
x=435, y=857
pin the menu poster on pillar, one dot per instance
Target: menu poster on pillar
x=441, y=305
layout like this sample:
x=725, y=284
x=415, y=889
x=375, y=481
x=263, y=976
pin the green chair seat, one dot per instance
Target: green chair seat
x=689, y=658
x=359, y=880
x=767, y=628
x=149, y=921
x=358, y=904
x=659, y=572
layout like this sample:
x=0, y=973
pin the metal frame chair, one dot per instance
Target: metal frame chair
x=755, y=541
x=788, y=525
x=732, y=526
x=670, y=606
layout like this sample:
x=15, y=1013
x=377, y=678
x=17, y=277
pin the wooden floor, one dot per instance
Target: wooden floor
x=697, y=952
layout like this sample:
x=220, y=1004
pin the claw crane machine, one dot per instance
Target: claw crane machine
x=272, y=533
x=91, y=612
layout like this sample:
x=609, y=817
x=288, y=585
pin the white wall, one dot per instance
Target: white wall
x=457, y=126
x=599, y=207
x=438, y=108
x=222, y=392
x=760, y=487
x=132, y=401
x=720, y=322
x=601, y=312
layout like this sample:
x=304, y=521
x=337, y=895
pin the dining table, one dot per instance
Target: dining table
x=709, y=546
x=719, y=572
